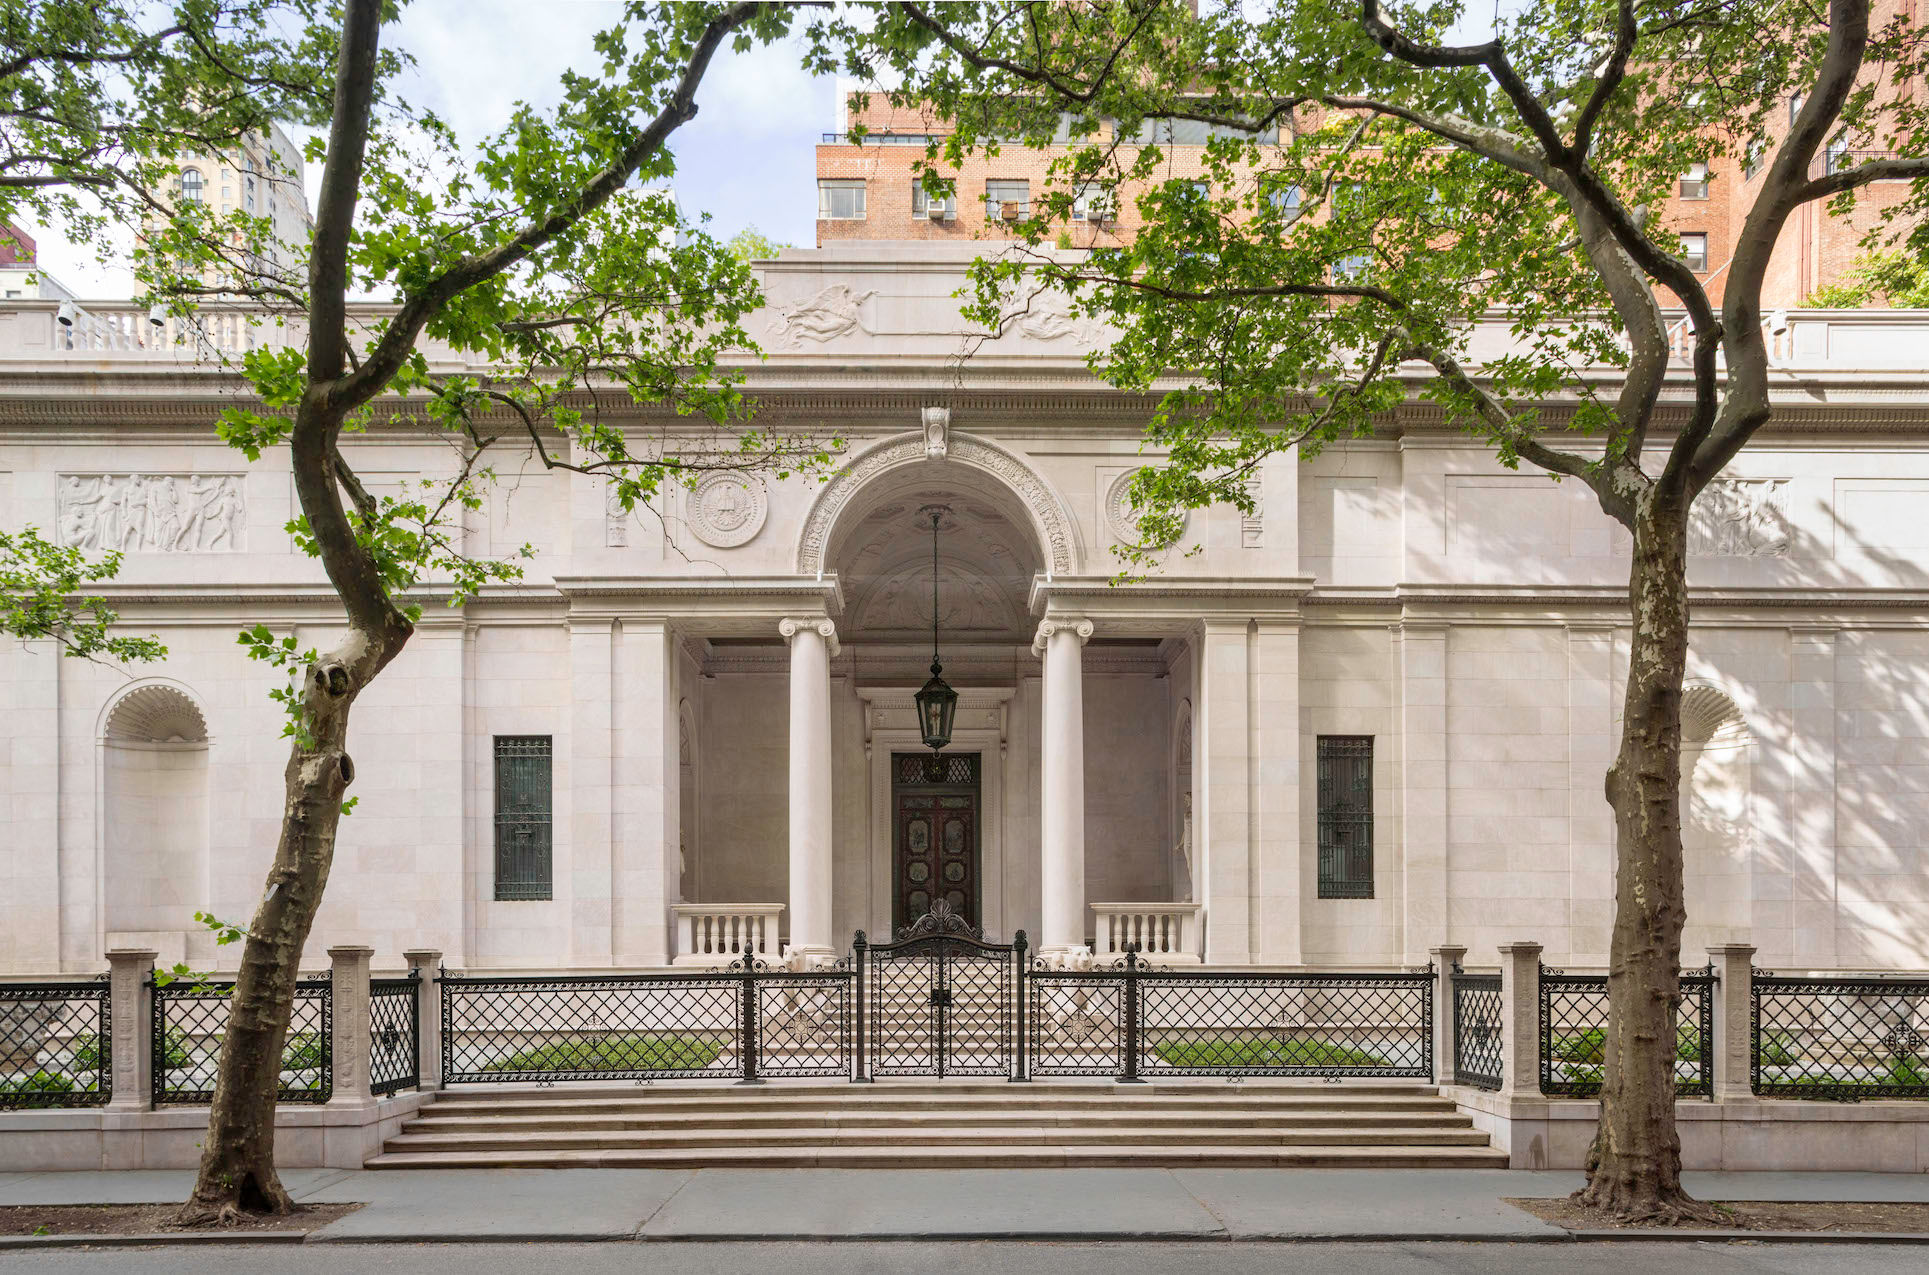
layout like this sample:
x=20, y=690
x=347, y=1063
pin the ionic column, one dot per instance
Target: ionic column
x=813, y=644
x=1061, y=844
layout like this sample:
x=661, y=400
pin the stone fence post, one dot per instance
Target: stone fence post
x=1733, y=1044
x=425, y=961
x=1520, y=1020
x=1446, y=959
x=352, y=1026
x=130, y=1023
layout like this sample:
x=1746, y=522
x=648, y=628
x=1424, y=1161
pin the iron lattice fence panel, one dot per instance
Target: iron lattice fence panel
x=804, y=1024
x=940, y=1001
x=1353, y=1024
x=190, y=1020
x=592, y=1027
x=1842, y=1039
x=1477, y=1057
x=1573, y=1032
x=1075, y=1023
x=395, y=1037
x=55, y=1044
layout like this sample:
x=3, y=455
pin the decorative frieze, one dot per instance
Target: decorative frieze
x=1252, y=526
x=1740, y=518
x=828, y=314
x=153, y=513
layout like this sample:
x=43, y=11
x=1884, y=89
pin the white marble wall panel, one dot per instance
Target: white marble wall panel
x=1346, y=690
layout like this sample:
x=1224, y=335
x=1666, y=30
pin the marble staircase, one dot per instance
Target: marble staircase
x=899, y=1124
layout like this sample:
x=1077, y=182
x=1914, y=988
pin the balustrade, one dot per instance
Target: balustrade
x=1166, y=933
x=715, y=933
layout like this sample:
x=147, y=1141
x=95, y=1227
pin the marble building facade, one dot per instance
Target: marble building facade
x=1369, y=718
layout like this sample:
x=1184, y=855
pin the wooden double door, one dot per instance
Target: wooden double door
x=934, y=821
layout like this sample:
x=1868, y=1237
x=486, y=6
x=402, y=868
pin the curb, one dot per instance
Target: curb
x=1760, y=1237
x=154, y=1239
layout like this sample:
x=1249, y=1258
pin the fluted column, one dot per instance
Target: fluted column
x=813, y=643
x=1061, y=844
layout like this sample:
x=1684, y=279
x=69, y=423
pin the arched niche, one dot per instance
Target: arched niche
x=154, y=818
x=1716, y=784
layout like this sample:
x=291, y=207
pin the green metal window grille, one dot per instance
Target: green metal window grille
x=1345, y=816
x=524, y=820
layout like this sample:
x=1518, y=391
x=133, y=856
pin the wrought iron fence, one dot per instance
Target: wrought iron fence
x=55, y=1044
x=1134, y=1021
x=190, y=1020
x=1573, y=1031
x=1477, y=1056
x=395, y=1037
x=1839, y=1038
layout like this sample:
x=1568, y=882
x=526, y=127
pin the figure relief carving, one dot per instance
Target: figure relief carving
x=1252, y=526
x=616, y=519
x=1048, y=317
x=153, y=513
x=1740, y=518
x=937, y=431
x=727, y=509
x=831, y=313
x=1124, y=518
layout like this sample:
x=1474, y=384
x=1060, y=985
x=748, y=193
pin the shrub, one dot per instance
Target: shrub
x=1247, y=1051
x=666, y=1051
x=302, y=1052
x=37, y=1089
x=83, y=1051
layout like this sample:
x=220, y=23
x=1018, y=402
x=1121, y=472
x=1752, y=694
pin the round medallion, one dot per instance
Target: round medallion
x=956, y=899
x=1124, y=519
x=954, y=872
x=727, y=510
x=918, y=902
x=918, y=872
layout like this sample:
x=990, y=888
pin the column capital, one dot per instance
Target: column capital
x=791, y=625
x=1077, y=625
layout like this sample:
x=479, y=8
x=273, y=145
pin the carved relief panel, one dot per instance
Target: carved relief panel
x=1740, y=518
x=153, y=513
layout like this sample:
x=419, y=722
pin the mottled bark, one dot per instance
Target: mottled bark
x=1634, y=1166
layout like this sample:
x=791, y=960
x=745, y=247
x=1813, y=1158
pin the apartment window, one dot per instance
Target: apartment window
x=1345, y=816
x=1835, y=157
x=840, y=199
x=1694, y=249
x=1093, y=204
x=1795, y=106
x=248, y=191
x=1007, y=200
x=929, y=206
x=193, y=186
x=1752, y=162
x=1694, y=182
x=1287, y=200
x=524, y=802
x=1353, y=268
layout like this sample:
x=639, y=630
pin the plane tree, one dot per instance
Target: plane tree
x=1374, y=187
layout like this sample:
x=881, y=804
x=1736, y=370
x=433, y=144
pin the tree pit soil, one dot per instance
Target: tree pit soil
x=1748, y=1215
x=151, y=1219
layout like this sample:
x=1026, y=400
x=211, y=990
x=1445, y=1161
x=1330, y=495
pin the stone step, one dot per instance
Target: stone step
x=896, y=1091
x=965, y=1155
x=1014, y=1134
x=927, y=1118
x=872, y=1098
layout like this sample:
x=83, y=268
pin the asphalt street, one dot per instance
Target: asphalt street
x=984, y=1258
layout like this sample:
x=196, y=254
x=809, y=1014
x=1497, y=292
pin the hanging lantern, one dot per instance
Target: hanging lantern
x=937, y=702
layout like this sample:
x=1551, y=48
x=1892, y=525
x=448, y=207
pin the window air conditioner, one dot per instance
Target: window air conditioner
x=934, y=211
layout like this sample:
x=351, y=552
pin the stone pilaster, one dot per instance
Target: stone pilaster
x=130, y=1009
x=646, y=791
x=349, y=975
x=1274, y=870
x=427, y=963
x=1733, y=1044
x=1223, y=759
x=1520, y=1020
x=1446, y=959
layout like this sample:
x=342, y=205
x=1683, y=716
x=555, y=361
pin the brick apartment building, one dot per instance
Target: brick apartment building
x=870, y=190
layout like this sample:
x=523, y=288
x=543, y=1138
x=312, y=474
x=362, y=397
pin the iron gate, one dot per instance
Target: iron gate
x=940, y=1001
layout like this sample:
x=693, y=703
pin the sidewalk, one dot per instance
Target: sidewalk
x=495, y=1205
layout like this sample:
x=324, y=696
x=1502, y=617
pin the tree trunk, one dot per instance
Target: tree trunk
x=1634, y=1166
x=237, y=1172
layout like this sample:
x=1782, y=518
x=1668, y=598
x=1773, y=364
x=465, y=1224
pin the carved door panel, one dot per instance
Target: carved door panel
x=936, y=855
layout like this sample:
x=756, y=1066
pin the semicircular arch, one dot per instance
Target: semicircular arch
x=1050, y=518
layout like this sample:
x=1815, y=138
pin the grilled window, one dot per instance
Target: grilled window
x=1345, y=816
x=524, y=833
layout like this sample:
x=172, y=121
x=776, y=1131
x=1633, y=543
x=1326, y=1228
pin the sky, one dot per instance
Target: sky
x=748, y=158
